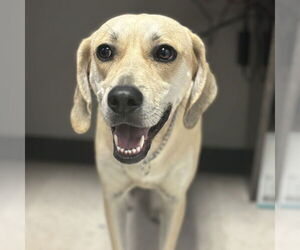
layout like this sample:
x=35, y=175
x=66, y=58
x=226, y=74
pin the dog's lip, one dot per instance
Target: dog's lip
x=131, y=144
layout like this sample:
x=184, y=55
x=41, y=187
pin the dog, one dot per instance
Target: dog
x=152, y=84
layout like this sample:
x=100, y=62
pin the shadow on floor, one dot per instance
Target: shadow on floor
x=143, y=232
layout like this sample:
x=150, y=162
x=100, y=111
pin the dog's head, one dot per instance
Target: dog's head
x=141, y=67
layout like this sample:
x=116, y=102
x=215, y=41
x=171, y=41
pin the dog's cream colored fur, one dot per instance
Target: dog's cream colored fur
x=187, y=83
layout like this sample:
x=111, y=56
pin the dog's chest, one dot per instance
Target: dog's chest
x=144, y=176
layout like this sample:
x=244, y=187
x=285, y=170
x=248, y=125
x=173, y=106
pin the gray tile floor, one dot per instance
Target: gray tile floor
x=12, y=205
x=64, y=211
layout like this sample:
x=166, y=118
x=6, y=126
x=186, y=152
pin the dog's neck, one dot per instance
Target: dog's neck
x=146, y=163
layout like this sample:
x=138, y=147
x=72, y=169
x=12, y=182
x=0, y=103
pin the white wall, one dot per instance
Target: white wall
x=12, y=65
x=288, y=104
x=54, y=30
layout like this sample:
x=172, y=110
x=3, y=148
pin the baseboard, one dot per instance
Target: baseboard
x=220, y=160
x=59, y=150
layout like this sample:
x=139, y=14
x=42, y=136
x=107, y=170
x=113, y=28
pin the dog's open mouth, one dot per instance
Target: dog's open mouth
x=131, y=144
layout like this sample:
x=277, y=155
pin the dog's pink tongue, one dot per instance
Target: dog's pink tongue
x=129, y=137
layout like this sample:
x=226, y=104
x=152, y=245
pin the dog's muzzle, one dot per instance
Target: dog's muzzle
x=131, y=143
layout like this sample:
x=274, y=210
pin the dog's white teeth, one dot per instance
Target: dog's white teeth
x=142, y=140
x=132, y=151
x=116, y=139
x=129, y=151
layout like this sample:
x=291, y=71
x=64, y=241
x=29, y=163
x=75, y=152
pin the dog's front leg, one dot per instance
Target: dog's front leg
x=115, y=209
x=172, y=214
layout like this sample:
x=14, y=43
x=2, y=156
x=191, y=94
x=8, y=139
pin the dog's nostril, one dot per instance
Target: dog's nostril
x=113, y=101
x=131, y=102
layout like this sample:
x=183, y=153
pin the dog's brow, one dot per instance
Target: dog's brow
x=113, y=35
x=155, y=36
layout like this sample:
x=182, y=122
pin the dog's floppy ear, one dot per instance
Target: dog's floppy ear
x=204, y=89
x=81, y=110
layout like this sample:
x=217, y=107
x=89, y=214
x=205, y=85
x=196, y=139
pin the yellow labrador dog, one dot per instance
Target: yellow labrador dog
x=152, y=83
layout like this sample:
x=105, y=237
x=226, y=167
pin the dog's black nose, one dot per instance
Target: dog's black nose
x=124, y=99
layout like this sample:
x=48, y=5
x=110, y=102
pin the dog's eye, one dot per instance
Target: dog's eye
x=105, y=52
x=164, y=53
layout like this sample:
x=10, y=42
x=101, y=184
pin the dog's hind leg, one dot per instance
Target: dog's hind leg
x=154, y=206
